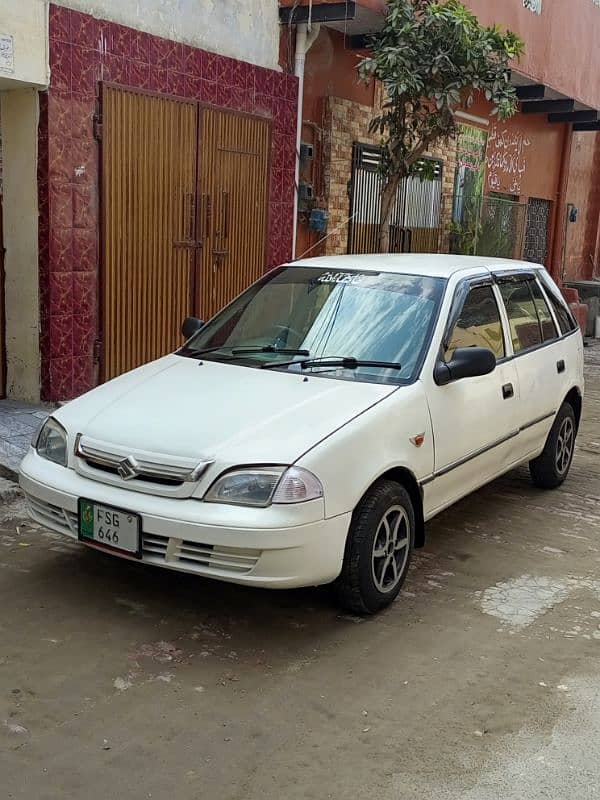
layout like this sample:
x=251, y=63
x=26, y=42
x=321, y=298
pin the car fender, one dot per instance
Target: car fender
x=394, y=434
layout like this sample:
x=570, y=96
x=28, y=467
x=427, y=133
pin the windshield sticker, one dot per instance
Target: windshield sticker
x=344, y=277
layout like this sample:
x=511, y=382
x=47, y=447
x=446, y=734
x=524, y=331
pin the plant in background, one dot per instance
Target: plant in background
x=501, y=224
x=430, y=57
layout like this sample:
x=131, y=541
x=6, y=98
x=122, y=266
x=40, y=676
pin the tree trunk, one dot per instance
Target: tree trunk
x=387, y=204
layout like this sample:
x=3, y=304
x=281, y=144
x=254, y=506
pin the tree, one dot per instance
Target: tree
x=431, y=56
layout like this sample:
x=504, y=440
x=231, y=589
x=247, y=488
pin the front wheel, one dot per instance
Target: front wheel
x=552, y=466
x=378, y=549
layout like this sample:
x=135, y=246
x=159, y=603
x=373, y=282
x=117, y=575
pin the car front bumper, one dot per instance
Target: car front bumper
x=275, y=547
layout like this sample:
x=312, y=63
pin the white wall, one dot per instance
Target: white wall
x=26, y=22
x=19, y=118
x=23, y=69
x=243, y=29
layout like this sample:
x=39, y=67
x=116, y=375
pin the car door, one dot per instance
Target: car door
x=538, y=359
x=474, y=420
x=569, y=347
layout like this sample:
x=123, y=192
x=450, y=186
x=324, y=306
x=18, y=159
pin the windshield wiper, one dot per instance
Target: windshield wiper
x=191, y=353
x=239, y=351
x=269, y=348
x=327, y=361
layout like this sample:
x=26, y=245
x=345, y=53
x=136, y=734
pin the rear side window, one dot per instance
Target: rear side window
x=547, y=325
x=525, y=330
x=561, y=310
x=479, y=324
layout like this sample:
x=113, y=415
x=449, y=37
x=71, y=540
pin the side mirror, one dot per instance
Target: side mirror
x=467, y=362
x=191, y=325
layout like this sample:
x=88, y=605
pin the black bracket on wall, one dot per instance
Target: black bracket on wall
x=330, y=12
x=533, y=91
x=548, y=107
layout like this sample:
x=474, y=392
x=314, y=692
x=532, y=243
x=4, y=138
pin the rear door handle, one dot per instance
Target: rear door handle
x=560, y=366
x=508, y=391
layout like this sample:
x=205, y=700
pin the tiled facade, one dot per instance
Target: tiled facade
x=347, y=122
x=83, y=52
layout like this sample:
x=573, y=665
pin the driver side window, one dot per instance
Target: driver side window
x=479, y=324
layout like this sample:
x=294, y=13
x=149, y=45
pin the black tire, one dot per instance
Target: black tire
x=366, y=584
x=552, y=466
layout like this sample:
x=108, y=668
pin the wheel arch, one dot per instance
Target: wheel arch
x=575, y=400
x=405, y=478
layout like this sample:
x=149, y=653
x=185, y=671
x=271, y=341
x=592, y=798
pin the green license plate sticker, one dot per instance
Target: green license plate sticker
x=109, y=528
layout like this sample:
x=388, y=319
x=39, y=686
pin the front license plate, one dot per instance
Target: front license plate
x=110, y=528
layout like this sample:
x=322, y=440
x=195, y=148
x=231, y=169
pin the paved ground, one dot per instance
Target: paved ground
x=18, y=421
x=481, y=682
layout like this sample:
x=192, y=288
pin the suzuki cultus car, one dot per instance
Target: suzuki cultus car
x=307, y=432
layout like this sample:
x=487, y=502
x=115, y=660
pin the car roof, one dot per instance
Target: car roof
x=439, y=266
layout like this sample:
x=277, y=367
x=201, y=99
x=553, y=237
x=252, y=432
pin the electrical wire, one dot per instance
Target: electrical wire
x=324, y=238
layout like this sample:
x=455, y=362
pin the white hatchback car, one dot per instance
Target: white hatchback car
x=307, y=432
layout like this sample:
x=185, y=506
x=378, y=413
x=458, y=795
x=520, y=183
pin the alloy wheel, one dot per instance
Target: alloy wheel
x=391, y=548
x=564, y=445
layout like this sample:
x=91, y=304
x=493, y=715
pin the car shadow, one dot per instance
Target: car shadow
x=118, y=590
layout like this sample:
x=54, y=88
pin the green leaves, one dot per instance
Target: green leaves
x=430, y=56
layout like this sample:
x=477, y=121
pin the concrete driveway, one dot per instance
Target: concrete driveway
x=482, y=681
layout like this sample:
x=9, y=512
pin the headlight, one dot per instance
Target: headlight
x=262, y=486
x=296, y=486
x=52, y=442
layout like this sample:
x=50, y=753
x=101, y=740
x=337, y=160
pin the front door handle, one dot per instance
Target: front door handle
x=508, y=391
x=560, y=366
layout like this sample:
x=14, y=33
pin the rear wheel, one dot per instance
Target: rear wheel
x=378, y=550
x=552, y=466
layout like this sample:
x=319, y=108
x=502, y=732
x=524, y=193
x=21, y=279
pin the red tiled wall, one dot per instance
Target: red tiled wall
x=84, y=51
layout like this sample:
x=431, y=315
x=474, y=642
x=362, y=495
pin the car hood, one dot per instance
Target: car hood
x=223, y=412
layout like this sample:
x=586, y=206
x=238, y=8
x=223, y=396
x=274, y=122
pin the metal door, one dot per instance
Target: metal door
x=149, y=158
x=234, y=167
x=184, y=199
x=536, y=231
x=416, y=215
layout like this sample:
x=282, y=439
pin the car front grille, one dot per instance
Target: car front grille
x=203, y=559
x=51, y=516
x=199, y=557
x=154, y=547
x=148, y=477
x=147, y=472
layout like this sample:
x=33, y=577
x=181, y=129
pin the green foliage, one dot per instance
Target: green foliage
x=431, y=55
x=499, y=229
x=488, y=227
x=465, y=235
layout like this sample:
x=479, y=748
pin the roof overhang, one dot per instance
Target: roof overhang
x=587, y=126
x=536, y=98
x=352, y=17
x=358, y=19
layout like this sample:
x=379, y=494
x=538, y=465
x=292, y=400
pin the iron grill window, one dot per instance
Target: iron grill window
x=416, y=216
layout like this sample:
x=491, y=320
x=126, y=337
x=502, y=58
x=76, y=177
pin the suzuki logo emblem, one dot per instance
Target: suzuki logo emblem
x=128, y=468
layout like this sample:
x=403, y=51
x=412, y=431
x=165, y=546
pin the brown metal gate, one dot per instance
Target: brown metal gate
x=149, y=177
x=233, y=180
x=184, y=196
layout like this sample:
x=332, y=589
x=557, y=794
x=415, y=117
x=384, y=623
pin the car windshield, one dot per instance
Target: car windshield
x=297, y=314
